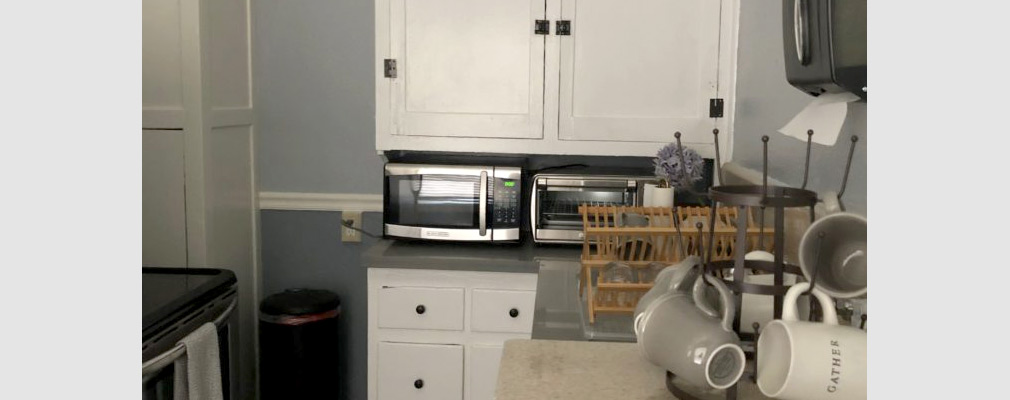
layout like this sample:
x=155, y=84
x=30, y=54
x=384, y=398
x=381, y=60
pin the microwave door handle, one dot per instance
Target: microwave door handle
x=801, y=31
x=482, y=207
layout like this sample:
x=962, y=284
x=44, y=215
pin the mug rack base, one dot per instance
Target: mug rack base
x=745, y=389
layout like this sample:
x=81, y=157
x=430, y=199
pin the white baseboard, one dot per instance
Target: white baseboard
x=320, y=201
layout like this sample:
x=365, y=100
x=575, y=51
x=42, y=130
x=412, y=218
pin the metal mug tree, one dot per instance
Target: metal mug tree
x=763, y=196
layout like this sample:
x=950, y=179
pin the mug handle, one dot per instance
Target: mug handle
x=725, y=300
x=686, y=272
x=698, y=296
x=790, y=312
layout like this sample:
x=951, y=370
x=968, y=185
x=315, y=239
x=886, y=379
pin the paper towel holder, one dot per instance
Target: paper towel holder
x=824, y=43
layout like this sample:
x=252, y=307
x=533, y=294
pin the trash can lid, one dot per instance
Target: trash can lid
x=300, y=302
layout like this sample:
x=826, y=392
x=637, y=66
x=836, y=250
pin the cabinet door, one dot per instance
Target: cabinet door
x=483, y=371
x=469, y=68
x=164, y=201
x=420, y=371
x=162, y=66
x=638, y=71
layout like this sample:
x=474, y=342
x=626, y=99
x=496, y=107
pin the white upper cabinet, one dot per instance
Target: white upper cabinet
x=638, y=71
x=475, y=76
x=470, y=68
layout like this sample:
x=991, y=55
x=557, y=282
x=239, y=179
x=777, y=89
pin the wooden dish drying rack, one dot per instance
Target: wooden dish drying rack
x=607, y=239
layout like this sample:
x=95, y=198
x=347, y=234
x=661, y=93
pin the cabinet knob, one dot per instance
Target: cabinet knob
x=418, y=384
x=420, y=309
x=514, y=312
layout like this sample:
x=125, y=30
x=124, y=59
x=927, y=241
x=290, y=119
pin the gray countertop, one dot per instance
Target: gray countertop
x=554, y=369
x=561, y=313
x=521, y=257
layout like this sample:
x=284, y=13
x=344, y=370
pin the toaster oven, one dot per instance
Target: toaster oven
x=555, y=200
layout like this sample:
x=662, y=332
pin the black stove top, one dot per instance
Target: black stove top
x=171, y=291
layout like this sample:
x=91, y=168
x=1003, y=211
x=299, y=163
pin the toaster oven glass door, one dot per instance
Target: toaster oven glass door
x=559, y=206
x=433, y=201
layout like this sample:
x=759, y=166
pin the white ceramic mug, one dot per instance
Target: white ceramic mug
x=655, y=196
x=800, y=360
x=841, y=259
x=675, y=333
x=669, y=279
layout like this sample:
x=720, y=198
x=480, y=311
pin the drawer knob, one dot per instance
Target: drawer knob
x=514, y=312
x=420, y=309
x=418, y=384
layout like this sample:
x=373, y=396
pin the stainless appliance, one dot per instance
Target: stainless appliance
x=452, y=202
x=825, y=45
x=175, y=302
x=555, y=200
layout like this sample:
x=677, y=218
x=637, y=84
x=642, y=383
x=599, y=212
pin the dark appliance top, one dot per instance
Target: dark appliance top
x=170, y=291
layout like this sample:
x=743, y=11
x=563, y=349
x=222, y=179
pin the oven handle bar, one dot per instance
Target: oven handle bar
x=162, y=360
x=482, y=207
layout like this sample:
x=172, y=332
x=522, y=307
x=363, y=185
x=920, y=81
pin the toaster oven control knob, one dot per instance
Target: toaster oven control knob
x=514, y=313
x=418, y=384
x=420, y=309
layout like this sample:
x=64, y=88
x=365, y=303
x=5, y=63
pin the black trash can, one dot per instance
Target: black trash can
x=299, y=351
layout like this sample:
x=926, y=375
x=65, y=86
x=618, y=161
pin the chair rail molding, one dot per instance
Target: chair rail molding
x=320, y=201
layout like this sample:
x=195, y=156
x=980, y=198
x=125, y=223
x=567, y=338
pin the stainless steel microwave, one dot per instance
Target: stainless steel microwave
x=452, y=202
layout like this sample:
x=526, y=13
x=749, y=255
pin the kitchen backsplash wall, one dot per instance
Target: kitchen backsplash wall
x=315, y=91
x=303, y=249
x=766, y=102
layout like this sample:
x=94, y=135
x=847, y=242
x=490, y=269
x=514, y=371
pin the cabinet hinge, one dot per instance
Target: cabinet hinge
x=389, y=68
x=563, y=28
x=715, y=108
x=542, y=27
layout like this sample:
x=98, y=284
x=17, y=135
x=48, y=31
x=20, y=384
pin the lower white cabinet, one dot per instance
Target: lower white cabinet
x=435, y=334
x=420, y=371
x=483, y=370
x=502, y=310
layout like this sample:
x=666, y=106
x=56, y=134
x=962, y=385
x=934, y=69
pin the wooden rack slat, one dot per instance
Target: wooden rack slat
x=605, y=241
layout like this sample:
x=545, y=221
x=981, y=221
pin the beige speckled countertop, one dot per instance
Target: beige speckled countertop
x=556, y=369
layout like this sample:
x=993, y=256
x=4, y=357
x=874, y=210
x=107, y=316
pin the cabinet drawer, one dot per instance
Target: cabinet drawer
x=421, y=308
x=502, y=310
x=420, y=371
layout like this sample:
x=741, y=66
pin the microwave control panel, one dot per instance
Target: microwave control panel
x=506, y=203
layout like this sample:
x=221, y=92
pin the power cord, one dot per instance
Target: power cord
x=349, y=224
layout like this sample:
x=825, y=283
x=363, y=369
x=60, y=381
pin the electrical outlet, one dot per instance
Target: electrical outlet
x=347, y=234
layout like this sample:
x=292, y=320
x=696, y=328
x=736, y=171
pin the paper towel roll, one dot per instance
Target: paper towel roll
x=825, y=115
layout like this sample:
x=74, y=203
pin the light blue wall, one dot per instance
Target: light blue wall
x=315, y=96
x=312, y=73
x=302, y=249
x=765, y=102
